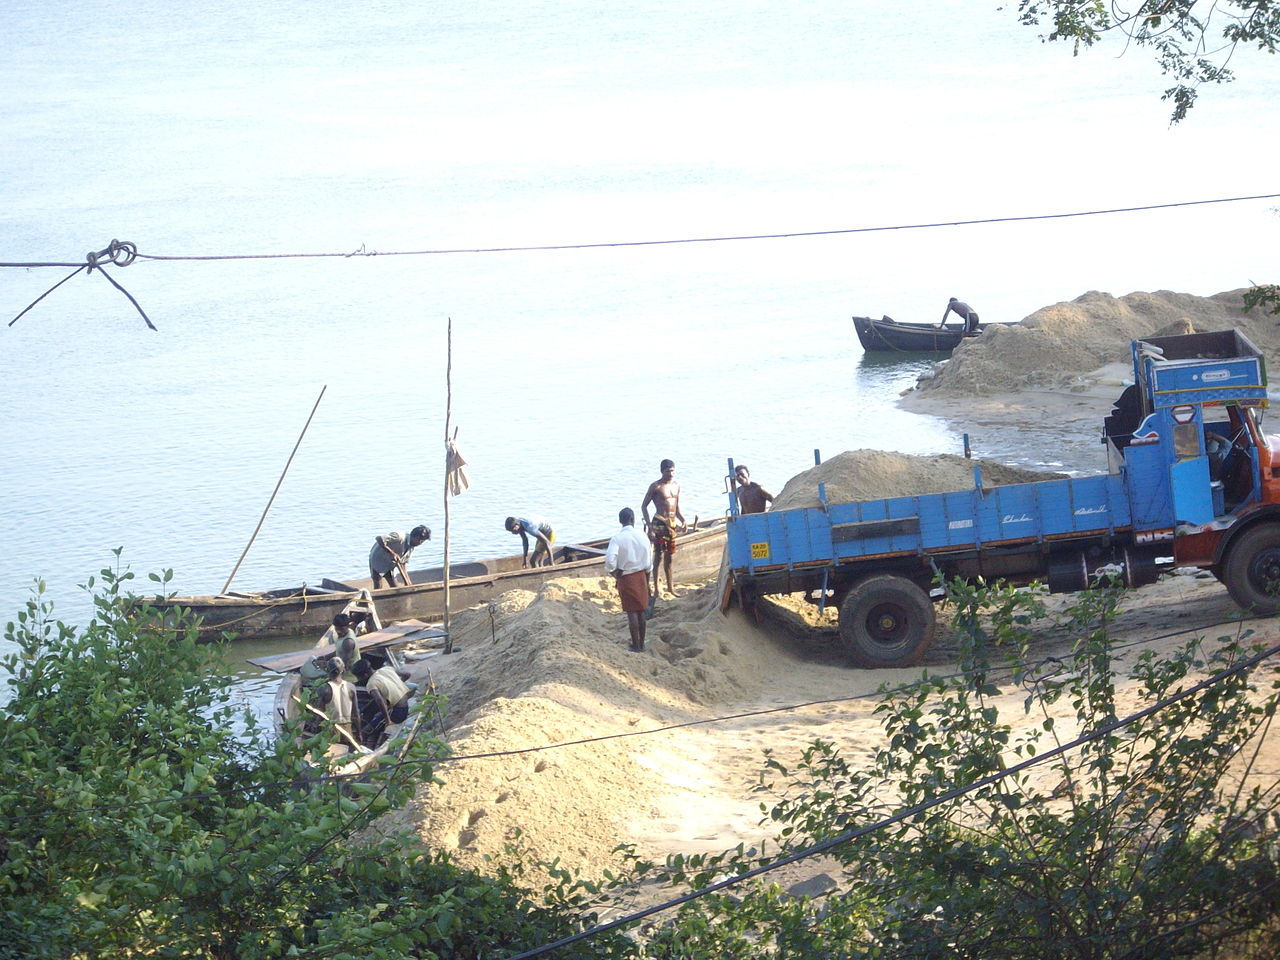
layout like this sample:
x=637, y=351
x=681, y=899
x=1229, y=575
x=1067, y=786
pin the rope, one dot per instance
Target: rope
x=362, y=252
x=120, y=253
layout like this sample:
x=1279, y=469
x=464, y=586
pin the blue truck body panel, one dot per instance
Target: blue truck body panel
x=965, y=519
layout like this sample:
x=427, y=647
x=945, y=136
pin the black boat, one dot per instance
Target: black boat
x=889, y=334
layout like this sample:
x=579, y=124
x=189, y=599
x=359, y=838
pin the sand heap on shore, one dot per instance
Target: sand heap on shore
x=553, y=667
x=1059, y=344
x=876, y=474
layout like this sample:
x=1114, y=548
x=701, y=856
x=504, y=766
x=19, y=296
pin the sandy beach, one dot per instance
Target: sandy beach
x=572, y=743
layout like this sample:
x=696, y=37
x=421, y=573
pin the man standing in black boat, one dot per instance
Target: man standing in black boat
x=965, y=313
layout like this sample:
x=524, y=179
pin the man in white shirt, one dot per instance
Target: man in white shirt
x=629, y=558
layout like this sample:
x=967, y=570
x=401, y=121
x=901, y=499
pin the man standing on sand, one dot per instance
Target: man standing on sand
x=965, y=313
x=664, y=494
x=752, y=498
x=627, y=558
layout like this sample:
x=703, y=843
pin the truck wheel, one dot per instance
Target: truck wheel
x=1252, y=569
x=886, y=621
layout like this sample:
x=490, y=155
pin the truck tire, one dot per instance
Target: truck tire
x=1252, y=569
x=886, y=621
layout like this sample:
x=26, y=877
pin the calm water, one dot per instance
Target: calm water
x=294, y=128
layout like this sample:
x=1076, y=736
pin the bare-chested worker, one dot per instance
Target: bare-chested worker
x=664, y=494
x=965, y=313
x=752, y=498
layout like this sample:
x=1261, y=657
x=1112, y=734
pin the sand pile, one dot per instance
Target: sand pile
x=875, y=474
x=1058, y=344
x=553, y=667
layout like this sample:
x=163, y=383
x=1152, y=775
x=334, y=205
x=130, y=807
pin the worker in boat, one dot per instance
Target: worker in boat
x=627, y=559
x=341, y=635
x=388, y=698
x=337, y=698
x=391, y=552
x=965, y=313
x=752, y=498
x=544, y=540
x=664, y=494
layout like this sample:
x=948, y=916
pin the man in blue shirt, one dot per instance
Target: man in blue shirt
x=544, y=537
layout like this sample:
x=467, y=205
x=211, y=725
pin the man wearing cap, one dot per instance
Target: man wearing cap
x=391, y=552
x=628, y=558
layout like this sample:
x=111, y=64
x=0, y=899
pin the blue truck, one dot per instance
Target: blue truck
x=1192, y=481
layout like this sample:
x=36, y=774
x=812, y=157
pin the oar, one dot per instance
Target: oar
x=403, y=572
x=360, y=747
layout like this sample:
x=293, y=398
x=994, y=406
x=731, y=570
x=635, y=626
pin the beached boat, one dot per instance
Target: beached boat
x=308, y=609
x=889, y=334
x=380, y=649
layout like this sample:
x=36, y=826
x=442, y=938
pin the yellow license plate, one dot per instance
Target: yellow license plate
x=760, y=551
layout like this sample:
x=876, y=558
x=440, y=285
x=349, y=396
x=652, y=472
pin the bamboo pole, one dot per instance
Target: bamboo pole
x=227, y=586
x=448, y=411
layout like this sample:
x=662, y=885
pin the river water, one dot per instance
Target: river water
x=295, y=128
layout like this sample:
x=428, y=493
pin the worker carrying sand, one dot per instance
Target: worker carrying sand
x=965, y=313
x=543, y=536
x=391, y=552
x=752, y=498
x=664, y=494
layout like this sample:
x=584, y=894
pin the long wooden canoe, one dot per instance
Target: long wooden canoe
x=308, y=610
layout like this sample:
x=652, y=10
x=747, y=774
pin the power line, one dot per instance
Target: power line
x=607, y=244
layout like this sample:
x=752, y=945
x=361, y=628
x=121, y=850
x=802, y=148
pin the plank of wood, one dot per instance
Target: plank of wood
x=396, y=633
x=583, y=548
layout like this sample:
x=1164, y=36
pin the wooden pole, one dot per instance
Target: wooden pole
x=448, y=411
x=226, y=586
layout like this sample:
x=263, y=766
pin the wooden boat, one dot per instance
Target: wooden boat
x=309, y=610
x=889, y=334
x=379, y=647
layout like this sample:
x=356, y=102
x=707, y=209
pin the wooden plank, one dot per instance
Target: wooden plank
x=337, y=585
x=583, y=548
x=397, y=633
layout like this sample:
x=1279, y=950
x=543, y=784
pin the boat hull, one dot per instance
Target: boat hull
x=886, y=334
x=308, y=611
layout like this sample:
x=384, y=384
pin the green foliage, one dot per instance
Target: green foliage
x=1266, y=295
x=950, y=843
x=1193, y=40
x=144, y=816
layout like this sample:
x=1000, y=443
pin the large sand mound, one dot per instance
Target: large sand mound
x=1058, y=344
x=876, y=474
x=553, y=667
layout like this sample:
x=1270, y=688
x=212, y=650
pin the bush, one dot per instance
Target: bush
x=144, y=816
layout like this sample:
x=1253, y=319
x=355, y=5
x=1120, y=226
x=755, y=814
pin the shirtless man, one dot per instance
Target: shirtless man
x=664, y=494
x=965, y=313
x=752, y=498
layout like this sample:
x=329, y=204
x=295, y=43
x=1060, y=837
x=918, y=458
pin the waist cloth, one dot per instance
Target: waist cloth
x=633, y=588
x=662, y=534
